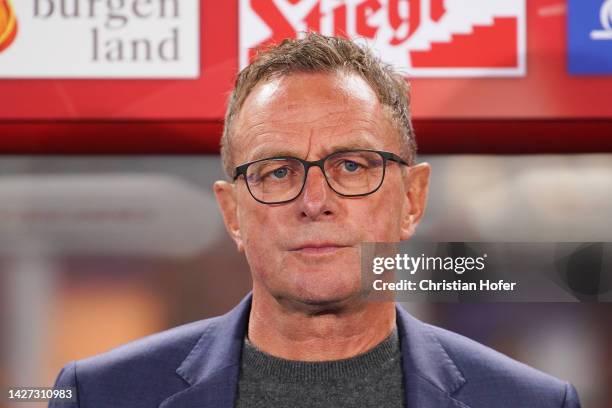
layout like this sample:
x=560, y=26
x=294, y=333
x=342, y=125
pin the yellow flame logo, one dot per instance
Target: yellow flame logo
x=8, y=24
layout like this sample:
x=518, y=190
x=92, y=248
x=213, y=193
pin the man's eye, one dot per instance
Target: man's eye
x=350, y=166
x=280, y=172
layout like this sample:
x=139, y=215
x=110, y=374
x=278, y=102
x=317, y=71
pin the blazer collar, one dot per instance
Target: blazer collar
x=212, y=367
x=430, y=375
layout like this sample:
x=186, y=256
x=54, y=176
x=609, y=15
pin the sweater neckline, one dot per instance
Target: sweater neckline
x=261, y=364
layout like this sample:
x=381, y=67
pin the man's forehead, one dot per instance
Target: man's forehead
x=322, y=86
x=317, y=138
x=342, y=108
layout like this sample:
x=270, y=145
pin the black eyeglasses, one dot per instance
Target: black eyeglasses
x=350, y=173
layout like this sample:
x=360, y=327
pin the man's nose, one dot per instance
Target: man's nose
x=316, y=196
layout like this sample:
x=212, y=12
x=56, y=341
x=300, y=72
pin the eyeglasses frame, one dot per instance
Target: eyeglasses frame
x=386, y=156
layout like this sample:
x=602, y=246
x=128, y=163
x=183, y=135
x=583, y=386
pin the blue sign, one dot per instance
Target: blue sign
x=589, y=39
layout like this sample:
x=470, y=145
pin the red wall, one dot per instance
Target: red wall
x=546, y=111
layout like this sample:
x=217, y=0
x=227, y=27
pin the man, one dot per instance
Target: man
x=320, y=150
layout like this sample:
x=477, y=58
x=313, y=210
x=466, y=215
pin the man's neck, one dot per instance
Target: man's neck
x=297, y=334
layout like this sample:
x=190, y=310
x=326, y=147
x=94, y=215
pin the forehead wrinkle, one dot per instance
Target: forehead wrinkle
x=267, y=150
x=263, y=119
x=327, y=120
x=270, y=128
x=266, y=142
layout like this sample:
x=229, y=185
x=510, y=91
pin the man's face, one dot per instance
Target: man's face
x=307, y=250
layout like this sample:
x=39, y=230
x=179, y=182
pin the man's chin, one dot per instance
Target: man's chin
x=324, y=302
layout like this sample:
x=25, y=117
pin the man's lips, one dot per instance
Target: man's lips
x=318, y=248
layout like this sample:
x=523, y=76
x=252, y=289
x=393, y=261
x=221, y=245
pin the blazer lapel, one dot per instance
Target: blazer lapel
x=430, y=375
x=213, y=365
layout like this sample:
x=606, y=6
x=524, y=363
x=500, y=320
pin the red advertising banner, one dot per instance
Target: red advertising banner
x=470, y=68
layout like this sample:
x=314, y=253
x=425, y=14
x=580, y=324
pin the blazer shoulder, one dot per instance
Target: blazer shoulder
x=502, y=378
x=138, y=374
x=166, y=348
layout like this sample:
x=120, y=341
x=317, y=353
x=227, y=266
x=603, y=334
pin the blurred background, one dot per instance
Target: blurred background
x=110, y=121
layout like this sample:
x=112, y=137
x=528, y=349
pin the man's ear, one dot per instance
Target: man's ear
x=226, y=198
x=417, y=186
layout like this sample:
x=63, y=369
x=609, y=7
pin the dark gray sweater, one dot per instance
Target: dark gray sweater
x=372, y=379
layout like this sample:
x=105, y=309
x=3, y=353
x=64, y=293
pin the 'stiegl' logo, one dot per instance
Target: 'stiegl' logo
x=605, y=16
x=8, y=24
x=424, y=38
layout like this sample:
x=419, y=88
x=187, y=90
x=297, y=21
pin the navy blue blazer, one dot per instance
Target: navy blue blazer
x=198, y=364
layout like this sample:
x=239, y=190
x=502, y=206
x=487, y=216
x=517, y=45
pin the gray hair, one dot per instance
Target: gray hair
x=316, y=53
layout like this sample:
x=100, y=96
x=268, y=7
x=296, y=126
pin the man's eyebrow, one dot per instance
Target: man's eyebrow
x=351, y=146
x=266, y=153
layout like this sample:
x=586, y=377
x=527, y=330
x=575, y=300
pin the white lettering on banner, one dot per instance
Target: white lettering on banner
x=605, y=17
x=421, y=37
x=104, y=39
